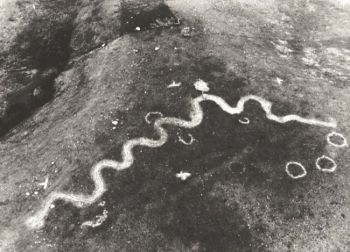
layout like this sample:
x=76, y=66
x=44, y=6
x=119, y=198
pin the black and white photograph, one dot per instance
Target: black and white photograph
x=174, y=125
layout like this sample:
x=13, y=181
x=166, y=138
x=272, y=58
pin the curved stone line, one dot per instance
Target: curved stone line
x=196, y=116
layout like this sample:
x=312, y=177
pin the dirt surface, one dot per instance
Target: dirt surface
x=77, y=79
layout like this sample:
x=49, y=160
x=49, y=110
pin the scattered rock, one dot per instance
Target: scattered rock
x=37, y=92
x=310, y=58
x=45, y=183
x=186, y=31
x=102, y=203
x=174, y=84
x=99, y=219
x=279, y=81
x=282, y=47
x=183, y=175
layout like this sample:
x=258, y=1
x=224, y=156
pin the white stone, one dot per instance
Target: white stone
x=201, y=85
x=183, y=175
x=174, y=84
x=279, y=81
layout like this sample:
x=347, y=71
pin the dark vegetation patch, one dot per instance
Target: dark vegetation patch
x=136, y=20
x=23, y=102
x=43, y=45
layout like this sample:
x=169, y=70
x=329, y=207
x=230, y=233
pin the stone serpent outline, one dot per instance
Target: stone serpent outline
x=37, y=221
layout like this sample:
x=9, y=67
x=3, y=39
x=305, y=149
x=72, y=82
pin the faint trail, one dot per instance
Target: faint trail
x=196, y=116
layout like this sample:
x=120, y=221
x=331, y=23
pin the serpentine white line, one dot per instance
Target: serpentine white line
x=99, y=219
x=174, y=84
x=196, y=116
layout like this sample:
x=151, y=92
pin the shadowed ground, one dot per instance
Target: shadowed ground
x=56, y=122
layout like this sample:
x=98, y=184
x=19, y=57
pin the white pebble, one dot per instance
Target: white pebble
x=174, y=84
x=279, y=81
x=183, y=175
x=201, y=85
